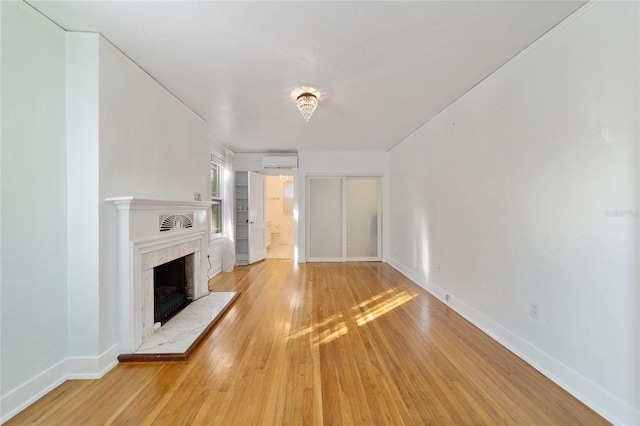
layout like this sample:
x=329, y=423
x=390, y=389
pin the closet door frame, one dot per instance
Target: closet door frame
x=343, y=178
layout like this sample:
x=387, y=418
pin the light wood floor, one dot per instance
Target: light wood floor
x=332, y=344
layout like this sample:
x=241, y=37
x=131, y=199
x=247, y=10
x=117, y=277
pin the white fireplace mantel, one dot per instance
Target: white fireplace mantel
x=142, y=246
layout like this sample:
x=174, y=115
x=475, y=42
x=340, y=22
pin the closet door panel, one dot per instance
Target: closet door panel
x=325, y=218
x=363, y=221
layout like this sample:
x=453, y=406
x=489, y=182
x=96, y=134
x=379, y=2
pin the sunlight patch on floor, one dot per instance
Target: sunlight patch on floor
x=331, y=334
x=328, y=330
x=381, y=308
x=324, y=324
x=374, y=298
x=369, y=310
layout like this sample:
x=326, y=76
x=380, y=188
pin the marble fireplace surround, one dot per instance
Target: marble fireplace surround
x=142, y=246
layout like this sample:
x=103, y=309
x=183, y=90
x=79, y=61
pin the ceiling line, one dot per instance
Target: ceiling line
x=151, y=76
x=43, y=15
x=534, y=44
x=123, y=54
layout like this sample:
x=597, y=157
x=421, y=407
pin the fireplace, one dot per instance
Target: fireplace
x=171, y=286
x=152, y=233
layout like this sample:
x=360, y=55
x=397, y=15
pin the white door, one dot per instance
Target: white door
x=257, y=222
x=363, y=217
x=324, y=223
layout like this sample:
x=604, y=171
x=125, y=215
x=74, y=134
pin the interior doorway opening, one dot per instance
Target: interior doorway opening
x=279, y=202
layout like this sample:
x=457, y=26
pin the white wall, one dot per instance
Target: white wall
x=340, y=163
x=215, y=257
x=248, y=162
x=151, y=146
x=82, y=65
x=33, y=313
x=505, y=197
x=80, y=123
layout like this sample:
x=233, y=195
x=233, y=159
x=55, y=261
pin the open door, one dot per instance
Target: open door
x=257, y=222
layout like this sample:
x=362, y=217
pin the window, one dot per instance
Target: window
x=216, y=196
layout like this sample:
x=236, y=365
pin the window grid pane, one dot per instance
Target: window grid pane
x=216, y=198
x=216, y=217
x=215, y=180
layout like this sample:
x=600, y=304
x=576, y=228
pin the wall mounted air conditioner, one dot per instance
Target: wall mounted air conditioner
x=280, y=163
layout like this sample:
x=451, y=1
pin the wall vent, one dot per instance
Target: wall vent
x=280, y=162
x=171, y=222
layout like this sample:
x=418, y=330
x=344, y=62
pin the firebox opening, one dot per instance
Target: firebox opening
x=170, y=285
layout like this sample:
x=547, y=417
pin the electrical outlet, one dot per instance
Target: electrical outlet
x=447, y=298
x=533, y=309
x=395, y=250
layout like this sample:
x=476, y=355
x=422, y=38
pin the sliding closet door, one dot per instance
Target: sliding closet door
x=363, y=218
x=325, y=218
x=343, y=218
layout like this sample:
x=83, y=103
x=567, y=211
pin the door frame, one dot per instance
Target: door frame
x=343, y=177
x=255, y=225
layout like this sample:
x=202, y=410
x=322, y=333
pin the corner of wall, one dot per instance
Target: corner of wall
x=32, y=390
x=214, y=257
x=69, y=368
x=603, y=402
x=474, y=212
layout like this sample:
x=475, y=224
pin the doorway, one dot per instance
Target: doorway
x=279, y=208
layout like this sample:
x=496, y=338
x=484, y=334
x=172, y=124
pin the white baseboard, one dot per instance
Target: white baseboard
x=92, y=367
x=214, y=271
x=69, y=368
x=600, y=400
x=26, y=394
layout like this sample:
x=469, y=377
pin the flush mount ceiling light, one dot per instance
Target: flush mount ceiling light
x=306, y=100
x=307, y=103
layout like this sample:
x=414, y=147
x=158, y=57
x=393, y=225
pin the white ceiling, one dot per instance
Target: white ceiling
x=384, y=68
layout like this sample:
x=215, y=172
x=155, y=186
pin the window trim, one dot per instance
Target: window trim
x=217, y=160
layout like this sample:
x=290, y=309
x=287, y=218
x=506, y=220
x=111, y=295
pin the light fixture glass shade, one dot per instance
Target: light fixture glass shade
x=307, y=104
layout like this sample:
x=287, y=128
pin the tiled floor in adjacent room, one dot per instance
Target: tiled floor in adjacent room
x=280, y=252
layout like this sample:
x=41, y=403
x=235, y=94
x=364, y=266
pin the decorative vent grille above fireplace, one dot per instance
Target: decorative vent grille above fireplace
x=170, y=222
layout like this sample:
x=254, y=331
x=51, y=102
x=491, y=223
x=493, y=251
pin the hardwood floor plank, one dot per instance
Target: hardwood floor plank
x=313, y=344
